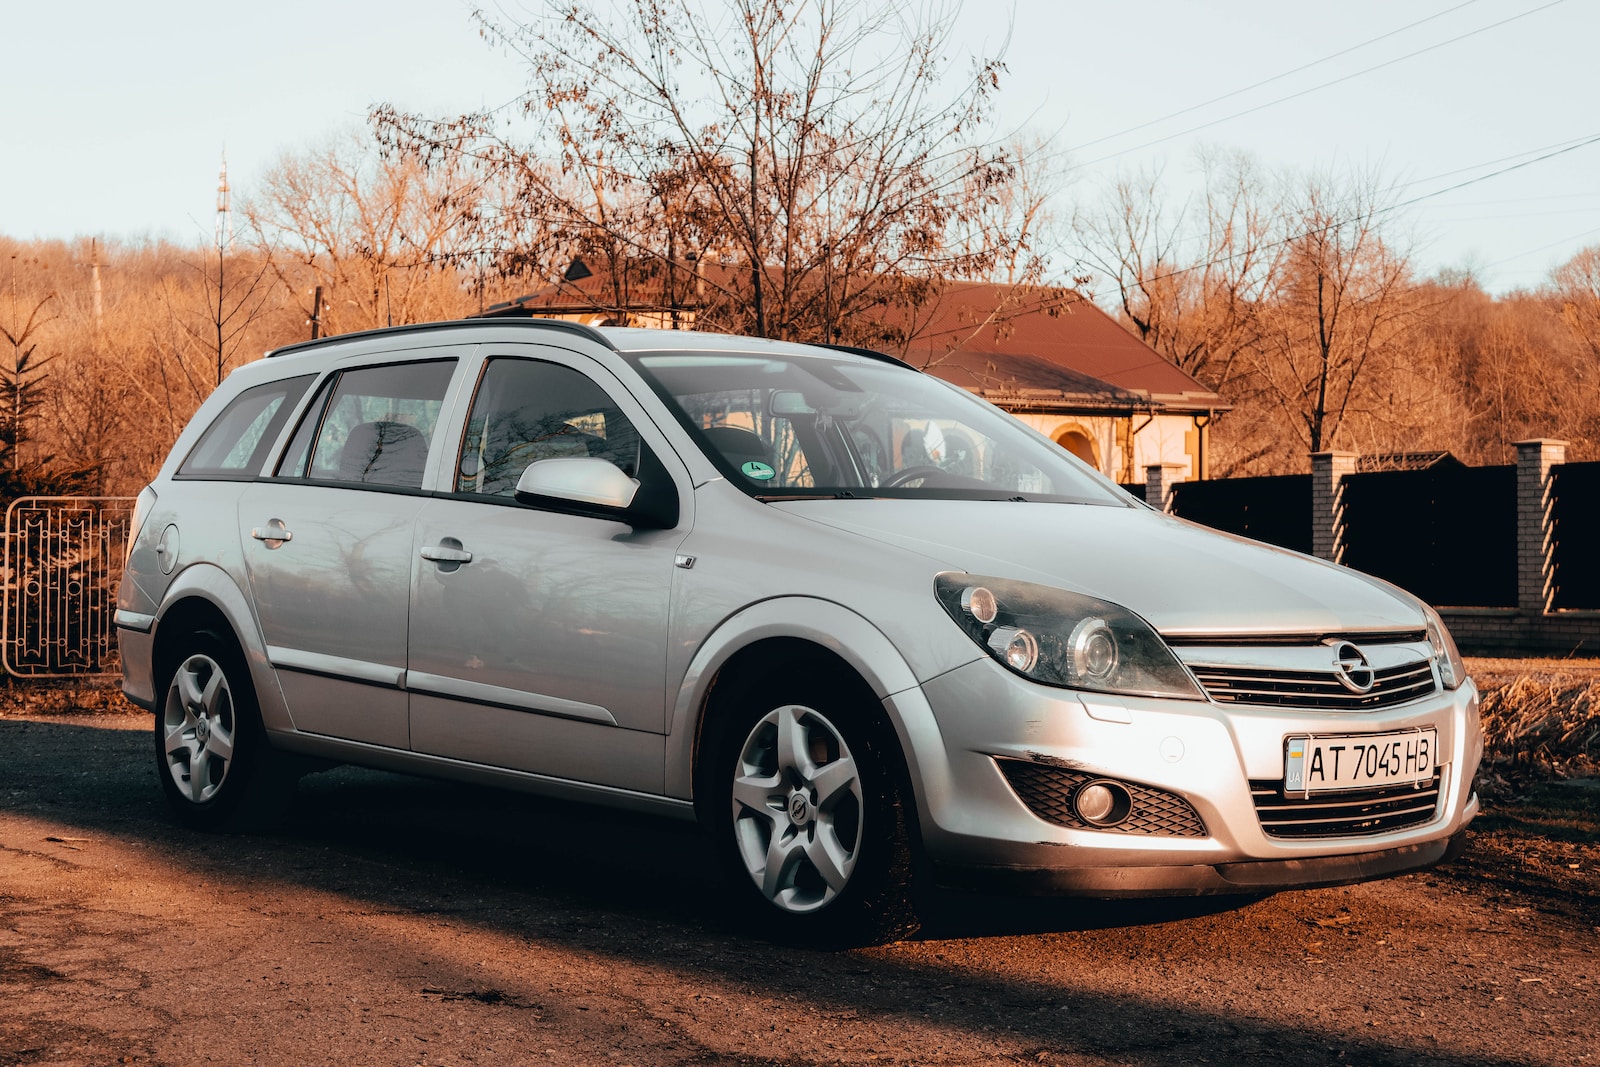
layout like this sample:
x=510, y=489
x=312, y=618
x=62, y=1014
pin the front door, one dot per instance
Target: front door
x=539, y=640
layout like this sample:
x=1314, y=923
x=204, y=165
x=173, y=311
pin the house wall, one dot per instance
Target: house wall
x=1154, y=439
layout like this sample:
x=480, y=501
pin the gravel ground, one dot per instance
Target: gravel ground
x=397, y=921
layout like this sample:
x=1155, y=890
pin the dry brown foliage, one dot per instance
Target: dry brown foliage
x=1542, y=718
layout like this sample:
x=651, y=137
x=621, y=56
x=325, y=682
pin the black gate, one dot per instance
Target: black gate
x=1447, y=533
x=1275, y=509
x=1576, y=515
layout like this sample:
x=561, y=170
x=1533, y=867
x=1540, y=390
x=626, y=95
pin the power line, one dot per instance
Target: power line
x=1491, y=162
x=1316, y=88
x=1542, y=248
x=1385, y=210
x=1275, y=77
x=1495, y=174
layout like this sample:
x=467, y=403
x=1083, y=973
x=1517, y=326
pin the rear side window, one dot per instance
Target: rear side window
x=236, y=444
x=372, y=426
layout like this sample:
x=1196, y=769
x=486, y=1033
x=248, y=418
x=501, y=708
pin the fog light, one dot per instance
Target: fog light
x=1018, y=648
x=1102, y=803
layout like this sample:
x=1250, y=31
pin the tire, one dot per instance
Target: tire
x=216, y=766
x=803, y=792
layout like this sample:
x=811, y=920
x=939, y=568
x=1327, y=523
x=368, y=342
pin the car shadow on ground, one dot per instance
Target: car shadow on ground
x=640, y=889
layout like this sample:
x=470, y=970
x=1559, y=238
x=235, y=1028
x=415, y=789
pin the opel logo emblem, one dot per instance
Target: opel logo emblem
x=798, y=808
x=1354, y=672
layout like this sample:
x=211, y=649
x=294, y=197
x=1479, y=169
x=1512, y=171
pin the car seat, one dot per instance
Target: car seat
x=384, y=453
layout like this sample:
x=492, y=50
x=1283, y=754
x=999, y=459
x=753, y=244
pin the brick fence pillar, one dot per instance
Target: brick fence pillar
x=1159, y=478
x=1535, y=533
x=1328, y=470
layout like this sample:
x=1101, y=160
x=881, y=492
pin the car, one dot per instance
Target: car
x=868, y=630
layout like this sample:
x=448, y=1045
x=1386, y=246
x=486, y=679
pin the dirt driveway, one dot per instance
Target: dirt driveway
x=395, y=921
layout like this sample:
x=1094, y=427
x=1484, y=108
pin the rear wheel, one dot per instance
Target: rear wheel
x=217, y=769
x=805, y=802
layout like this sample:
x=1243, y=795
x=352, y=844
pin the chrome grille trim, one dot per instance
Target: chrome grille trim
x=1314, y=690
x=1356, y=813
x=1048, y=792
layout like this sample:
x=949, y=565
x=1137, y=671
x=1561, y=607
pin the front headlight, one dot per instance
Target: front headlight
x=1064, y=639
x=1452, y=671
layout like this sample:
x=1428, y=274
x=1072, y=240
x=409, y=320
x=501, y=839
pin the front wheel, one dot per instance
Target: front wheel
x=807, y=811
x=217, y=768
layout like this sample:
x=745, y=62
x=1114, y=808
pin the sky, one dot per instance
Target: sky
x=114, y=116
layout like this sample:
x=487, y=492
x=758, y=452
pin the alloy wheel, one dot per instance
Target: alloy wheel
x=797, y=808
x=198, y=728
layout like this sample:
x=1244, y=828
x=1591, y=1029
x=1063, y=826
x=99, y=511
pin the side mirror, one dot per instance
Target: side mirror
x=579, y=480
x=597, y=488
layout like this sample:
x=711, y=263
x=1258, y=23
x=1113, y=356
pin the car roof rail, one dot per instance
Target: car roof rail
x=869, y=353
x=558, y=325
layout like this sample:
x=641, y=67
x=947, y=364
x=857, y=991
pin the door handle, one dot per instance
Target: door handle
x=273, y=535
x=448, y=554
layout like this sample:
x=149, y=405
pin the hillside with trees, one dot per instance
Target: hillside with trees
x=839, y=175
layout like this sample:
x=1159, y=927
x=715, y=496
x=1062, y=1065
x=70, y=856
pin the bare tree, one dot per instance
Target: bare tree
x=1341, y=302
x=815, y=185
x=1189, y=282
x=1576, y=286
x=384, y=238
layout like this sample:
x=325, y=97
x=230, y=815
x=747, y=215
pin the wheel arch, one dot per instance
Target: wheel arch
x=793, y=628
x=205, y=596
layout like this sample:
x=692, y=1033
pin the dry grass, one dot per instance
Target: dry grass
x=1540, y=715
x=20, y=696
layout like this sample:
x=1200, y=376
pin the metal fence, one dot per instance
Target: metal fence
x=1575, y=512
x=63, y=559
x=1275, y=509
x=1447, y=533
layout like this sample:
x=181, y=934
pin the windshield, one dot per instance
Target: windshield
x=841, y=426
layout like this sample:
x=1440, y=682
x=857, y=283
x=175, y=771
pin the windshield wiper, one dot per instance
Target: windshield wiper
x=843, y=494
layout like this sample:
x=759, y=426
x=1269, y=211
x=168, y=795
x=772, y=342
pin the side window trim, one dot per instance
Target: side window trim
x=667, y=456
x=293, y=390
x=298, y=454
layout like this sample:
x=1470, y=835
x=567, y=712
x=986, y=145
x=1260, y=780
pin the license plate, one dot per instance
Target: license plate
x=1359, y=761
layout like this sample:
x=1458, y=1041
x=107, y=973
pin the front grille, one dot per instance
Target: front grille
x=1048, y=792
x=1313, y=690
x=1357, y=813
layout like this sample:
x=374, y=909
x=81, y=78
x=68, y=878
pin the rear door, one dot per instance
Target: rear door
x=328, y=546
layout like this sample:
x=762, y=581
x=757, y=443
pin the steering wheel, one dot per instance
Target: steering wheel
x=910, y=474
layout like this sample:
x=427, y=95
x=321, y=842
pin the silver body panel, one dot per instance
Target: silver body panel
x=574, y=655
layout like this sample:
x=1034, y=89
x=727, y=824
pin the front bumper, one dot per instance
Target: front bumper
x=976, y=828
x=1221, y=879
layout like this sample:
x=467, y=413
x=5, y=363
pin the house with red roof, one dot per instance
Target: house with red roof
x=1050, y=357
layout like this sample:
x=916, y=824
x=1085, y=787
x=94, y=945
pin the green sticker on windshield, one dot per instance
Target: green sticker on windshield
x=758, y=470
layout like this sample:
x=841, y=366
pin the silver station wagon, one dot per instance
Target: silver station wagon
x=853, y=620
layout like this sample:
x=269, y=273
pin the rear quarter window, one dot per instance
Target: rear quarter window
x=236, y=443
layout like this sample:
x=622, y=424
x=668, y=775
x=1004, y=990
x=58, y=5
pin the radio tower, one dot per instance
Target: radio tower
x=224, y=208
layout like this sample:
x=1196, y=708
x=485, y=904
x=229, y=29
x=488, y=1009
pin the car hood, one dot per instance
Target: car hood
x=1180, y=577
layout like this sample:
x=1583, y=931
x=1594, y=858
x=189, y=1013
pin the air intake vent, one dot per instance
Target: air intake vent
x=1358, y=813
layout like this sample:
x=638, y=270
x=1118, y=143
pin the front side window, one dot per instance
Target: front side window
x=373, y=428
x=527, y=410
x=235, y=444
x=806, y=426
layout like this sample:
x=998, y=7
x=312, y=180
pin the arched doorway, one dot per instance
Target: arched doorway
x=1080, y=444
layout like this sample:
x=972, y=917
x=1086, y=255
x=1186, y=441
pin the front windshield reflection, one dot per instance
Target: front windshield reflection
x=823, y=426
